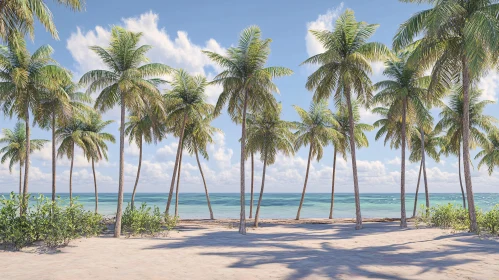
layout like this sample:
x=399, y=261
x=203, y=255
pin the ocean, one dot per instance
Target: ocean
x=283, y=205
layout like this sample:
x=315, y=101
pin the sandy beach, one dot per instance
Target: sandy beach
x=277, y=250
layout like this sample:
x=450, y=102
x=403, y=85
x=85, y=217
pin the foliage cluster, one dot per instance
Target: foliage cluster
x=146, y=220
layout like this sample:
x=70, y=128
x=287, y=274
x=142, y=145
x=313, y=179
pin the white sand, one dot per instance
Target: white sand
x=283, y=251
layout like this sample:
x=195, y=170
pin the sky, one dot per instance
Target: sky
x=178, y=32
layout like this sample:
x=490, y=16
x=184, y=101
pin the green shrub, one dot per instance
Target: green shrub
x=490, y=220
x=45, y=220
x=144, y=221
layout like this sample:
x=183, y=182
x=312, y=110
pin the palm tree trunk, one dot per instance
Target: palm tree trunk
x=178, y=182
x=423, y=158
x=252, y=181
x=179, y=149
x=95, y=187
x=138, y=173
x=466, y=146
x=26, y=163
x=417, y=190
x=403, y=221
x=53, y=158
x=242, y=216
x=20, y=178
x=257, y=215
x=119, y=209
x=351, y=127
x=305, y=183
x=332, y=185
x=460, y=179
x=71, y=175
x=204, y=182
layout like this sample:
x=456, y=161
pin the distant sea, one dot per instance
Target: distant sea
x=283, y=205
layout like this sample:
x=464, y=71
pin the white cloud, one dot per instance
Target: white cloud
x=489, y=85
x=323, y=22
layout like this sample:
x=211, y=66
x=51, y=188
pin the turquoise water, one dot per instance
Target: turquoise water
x=284, y=205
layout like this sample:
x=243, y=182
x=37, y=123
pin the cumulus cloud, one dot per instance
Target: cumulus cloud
x=323, y=22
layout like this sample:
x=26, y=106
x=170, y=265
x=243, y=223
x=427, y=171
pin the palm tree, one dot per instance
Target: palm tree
x=452, y=121
x=15, y=143
x=419, y=151
x=95, y=146
x=490, y=153
x=20, y=16
x=196, y=139
x=344, y=66
x=459, y=39
x=24, y=78
x=247, y=84
x=70, y=135
x=404, y=93
x=186, y=103
x=54, y=109
x=143, y=126
x=126, y=83
x=316, y=129
x=269, y=135
x=341, y=145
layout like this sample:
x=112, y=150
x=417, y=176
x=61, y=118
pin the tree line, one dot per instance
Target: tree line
x=438, y=53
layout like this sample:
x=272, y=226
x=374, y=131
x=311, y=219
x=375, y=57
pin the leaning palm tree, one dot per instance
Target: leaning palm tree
x=126, y=83
x=490, y=153
x=459, y=40
x=18, y=15
x=247, y=84
x=143, y=125
x=269, y=135
x=316, y=129
x=344, y=68
x=186, y=103
x=56, y=108
x=15, y=143
x=425, y=144
x=196, y=139
x=404, y=93
x=24, y=78
x=341, y=144
x=95, y=145
x=452, y=121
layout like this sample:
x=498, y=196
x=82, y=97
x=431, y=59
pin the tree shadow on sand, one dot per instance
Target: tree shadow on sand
x=329, y=260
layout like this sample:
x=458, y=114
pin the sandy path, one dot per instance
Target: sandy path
x=284, y=251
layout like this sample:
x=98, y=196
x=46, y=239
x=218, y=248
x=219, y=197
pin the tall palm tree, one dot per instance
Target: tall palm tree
x=247, y=84
x=126, y=83
x=18, y=15
x=404, y=93
x=96, y=147
x=15, y=143
x=24, y=78
x=459, y=40
x=490, y=153
x=186, y=103
x=316, y=129
x=452, y=121
x=196, y=139
x=56, y=108
x=269, y=135
x=344, y=67
x=142, y=126
x=419, y=150
x=341, y=144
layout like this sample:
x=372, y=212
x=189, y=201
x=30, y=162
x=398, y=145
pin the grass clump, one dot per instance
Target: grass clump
x=146, y=221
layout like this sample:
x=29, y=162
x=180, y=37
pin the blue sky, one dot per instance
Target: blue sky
x=178, y=32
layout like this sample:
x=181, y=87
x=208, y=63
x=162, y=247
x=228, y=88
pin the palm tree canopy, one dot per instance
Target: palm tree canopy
x=199, y=134
x=16, y=15
x=451, y=120
x=490, y=153
x=453, y=30
x=390, y=126
x=15, y=145
x=316, y=128
x=128, y=74
x=95, y=137
x=145, y=123
x=245, y=73
x=269, y=135
x=342, y=144
x=433, y=141
x=345, y=65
